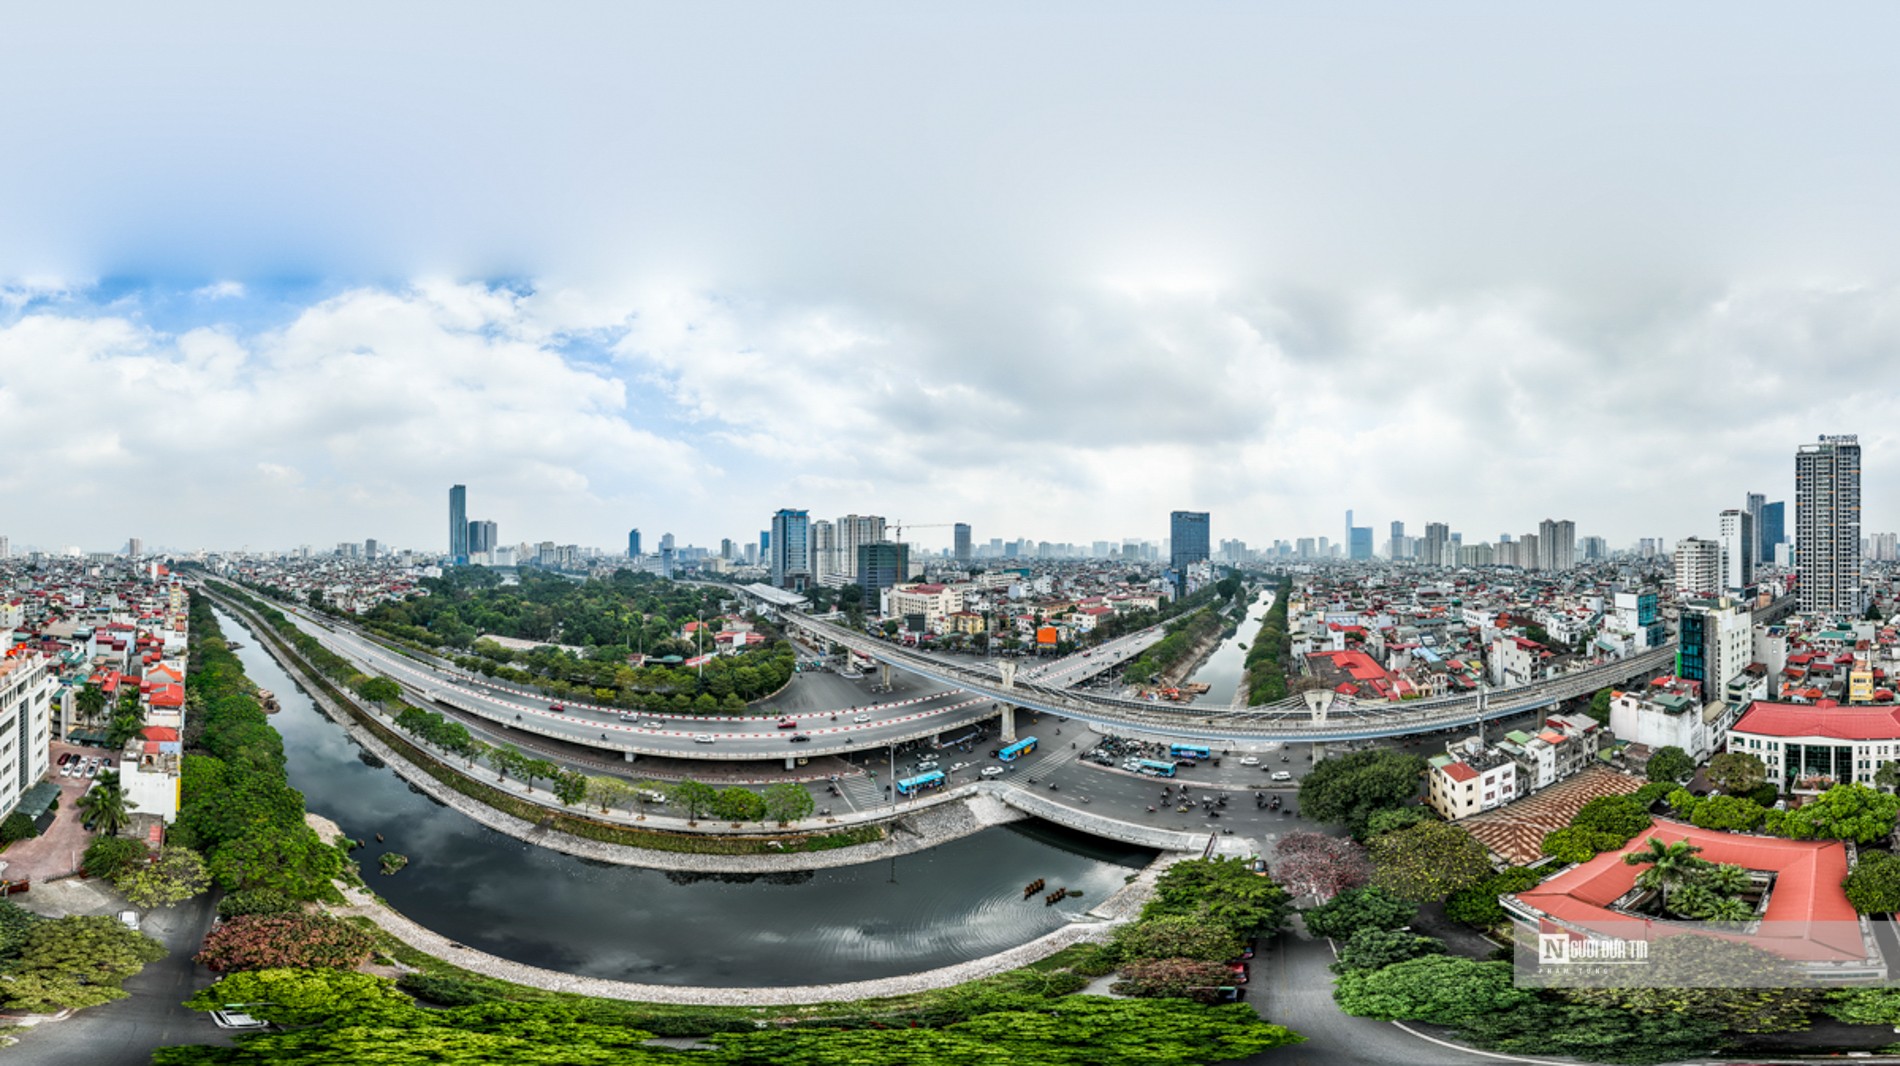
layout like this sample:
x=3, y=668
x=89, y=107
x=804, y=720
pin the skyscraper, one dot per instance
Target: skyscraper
x=1432, y=551
x=1737, y=538
x=1188, y=539
x=848, y=534
x=633, y=544
x=483, y=537
x=881, y=565
x=824, y=550
x=1398, y=541
x=1755, y=505
x=1348, y=540
x=1360, y=544
x=1556, y=544
x=789, y=548
x=458, y=523
x=1773, y=529
x=1827, y=524
x=962, y=549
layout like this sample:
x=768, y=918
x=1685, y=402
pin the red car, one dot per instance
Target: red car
x=788, y=723
x=557, y=708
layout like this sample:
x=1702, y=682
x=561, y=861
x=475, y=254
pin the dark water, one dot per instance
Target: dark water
x=959, y=901
x=1228, y=662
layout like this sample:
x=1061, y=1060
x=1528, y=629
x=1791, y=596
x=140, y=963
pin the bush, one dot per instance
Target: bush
x=1571, y=844
x=112, y=857
x=257, y=901
x=1874, y=886
x=1375, y=949
x=1732, y=813
x=1621, y=816
x=296, y=941
x=1176, y=978
x=17, y=826
x=1478, y=906
x=445, y=991
x=1356, y=909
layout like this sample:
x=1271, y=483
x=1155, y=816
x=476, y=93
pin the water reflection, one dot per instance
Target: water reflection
x=482, y=888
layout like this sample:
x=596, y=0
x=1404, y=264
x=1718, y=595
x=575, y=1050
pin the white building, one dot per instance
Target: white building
x=1674, y=714
x=27, y=686
x=1808, y=749
x=1827, y=524
x=1737, y=538
x=936, y=603
x=1698, y=568
x=1565, y=744
x=1475, y=782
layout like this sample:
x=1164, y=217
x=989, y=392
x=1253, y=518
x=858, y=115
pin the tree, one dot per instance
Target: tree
x=536, y=769
x=1571, y=844
x=300, y=941
x=786, y=802
x=126, y=723
x=505, y=759
x=696, y=797
x=75, y=962
x=1888, y=776
x=1350, y=788
x=1619, y=816
x=738, y=804
x=380, y=690
x=1736, y=772
x=1359, y=908
x=90, y=702
x=1544, y=1028
x=1865, y=1006
x=1396, y=818
x=1478, y=905
x=17, y=826
x=296, y=863
x=1174, y=978
x=1671, y=865
x=309, y=997
x=1428, y=861
x=1732, y=813
x=1320, y=865
x=1844, y=812
x=1600, y=704
x=1442, y=989
x=1375, y=949
x=104, y=808
x=1874, y=885
x=108, y=857
x=175, y=876
x=1172, y=936
x=570, y=787
x=1709, y=977
x=1223, y=891
x=1670, y=763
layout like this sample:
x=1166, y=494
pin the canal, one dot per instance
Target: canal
x=1228, y=664
x=958, y=901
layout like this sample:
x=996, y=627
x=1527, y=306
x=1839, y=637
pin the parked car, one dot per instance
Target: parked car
x=227, y=1019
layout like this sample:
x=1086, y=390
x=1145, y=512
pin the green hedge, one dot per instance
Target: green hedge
x=1267, y=657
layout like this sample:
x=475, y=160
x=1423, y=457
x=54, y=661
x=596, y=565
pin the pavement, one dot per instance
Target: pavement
x=124, y=1032
x=56, y=852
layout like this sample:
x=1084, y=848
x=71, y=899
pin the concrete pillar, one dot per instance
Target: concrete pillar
x=1008, y=667
x=791, y=762
x=884, y=675
x=631, y=756
x=1009, y=723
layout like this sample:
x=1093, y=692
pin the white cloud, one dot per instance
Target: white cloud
x=221, y=290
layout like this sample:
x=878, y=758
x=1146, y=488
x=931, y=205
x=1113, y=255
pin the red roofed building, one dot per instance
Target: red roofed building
x=1808, y=748
x=1354, y=673
x=1806, y=918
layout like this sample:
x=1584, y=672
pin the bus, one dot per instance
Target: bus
x=1156, y=768
x=1017, y=750
x=910, y=786
x=1189, y=751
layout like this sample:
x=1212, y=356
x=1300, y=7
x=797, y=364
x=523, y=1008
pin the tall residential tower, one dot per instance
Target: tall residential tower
x=458, y=523
x=1827, y=524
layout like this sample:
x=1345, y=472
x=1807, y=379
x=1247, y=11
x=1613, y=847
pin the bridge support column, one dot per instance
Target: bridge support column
x=630, y=756
x=1009, y=723
x=791, y=762
x=884, y=676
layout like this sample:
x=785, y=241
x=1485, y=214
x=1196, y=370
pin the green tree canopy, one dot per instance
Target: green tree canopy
x=1428, y=861
x=1375, y=949
x=176, y=875
x=1620, y=816
x=75, y=962
x=1844, y=812
x=1736, y=772
x=310, y=997
x=1350, y=788
x=1874, y=885
x=1670, y=763
x=1442, y=989
x=1177, y=936
x=1356, y=909
x=1220, y=890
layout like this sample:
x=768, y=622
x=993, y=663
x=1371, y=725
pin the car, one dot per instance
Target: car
x=992, y=771
x=66, y=758
x=927, y=765
x=1250, y=760
x=799, y=738
x=557, y=708
x=229, y=1019
x=107, y=763
x=955, y=766
x=653, y=723
x=702, y=738
x=629, y=717
x=130, y=919
x=651, y=796
x=860, y=718
x=1282, y=775
x=788, y=723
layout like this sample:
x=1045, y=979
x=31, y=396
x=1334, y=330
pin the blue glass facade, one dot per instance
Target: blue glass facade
x=1773, y=528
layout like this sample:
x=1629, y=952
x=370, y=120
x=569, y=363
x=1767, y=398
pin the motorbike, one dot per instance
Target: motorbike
x=1053, y=787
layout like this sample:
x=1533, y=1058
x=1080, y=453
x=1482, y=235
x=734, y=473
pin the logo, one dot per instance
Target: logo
x=1561, y=949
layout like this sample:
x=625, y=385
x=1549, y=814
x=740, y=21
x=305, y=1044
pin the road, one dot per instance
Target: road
x=1294, y=988
x=124, y=1032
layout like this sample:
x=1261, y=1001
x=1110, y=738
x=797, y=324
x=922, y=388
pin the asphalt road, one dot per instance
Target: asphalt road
x=124, y=1032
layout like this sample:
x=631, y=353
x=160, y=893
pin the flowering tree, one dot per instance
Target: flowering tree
x=1320, y=865
x=299, y=941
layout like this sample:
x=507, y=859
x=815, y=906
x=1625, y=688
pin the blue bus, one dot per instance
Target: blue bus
x=1156, y=768
x=910, y=786
x=1017, y=750
x=1189, y=751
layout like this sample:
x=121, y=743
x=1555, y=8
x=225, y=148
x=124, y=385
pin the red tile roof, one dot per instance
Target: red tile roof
x=1838, y=723
x=1459, y=771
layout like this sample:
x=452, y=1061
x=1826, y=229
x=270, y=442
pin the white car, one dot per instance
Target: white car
x=226, y=1019
x=860, y=718
x=1250, y=760
x=702, y=738
x=1282, y=775
x=992, y=771
x=955, y=766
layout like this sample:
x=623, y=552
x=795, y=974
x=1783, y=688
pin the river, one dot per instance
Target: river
x=958, y=901
x=1228, y=664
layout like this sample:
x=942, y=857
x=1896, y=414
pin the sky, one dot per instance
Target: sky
x=272, y=277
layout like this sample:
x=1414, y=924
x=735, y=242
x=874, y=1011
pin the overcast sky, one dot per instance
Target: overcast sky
x=1052, y=269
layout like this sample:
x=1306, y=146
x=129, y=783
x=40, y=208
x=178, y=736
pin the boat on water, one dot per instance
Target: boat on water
x=269, y=700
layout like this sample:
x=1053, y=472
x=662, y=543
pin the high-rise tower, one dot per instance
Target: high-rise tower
x=458, y=523
x=1827, y=524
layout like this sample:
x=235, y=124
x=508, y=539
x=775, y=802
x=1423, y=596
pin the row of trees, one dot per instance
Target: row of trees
x=1184, y=635
x=1270, y=655
x=67, y=963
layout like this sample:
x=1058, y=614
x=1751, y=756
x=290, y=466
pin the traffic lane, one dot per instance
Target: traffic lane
x=1127, y=797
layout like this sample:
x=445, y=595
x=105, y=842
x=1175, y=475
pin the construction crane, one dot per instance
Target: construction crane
x=899, y=527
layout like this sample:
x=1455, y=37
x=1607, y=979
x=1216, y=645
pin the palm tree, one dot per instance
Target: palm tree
x=1727, y=879
x=1729, y=909
x=1693, y=900
x=90, y=700
x=104, y=807
x=1669, y=865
